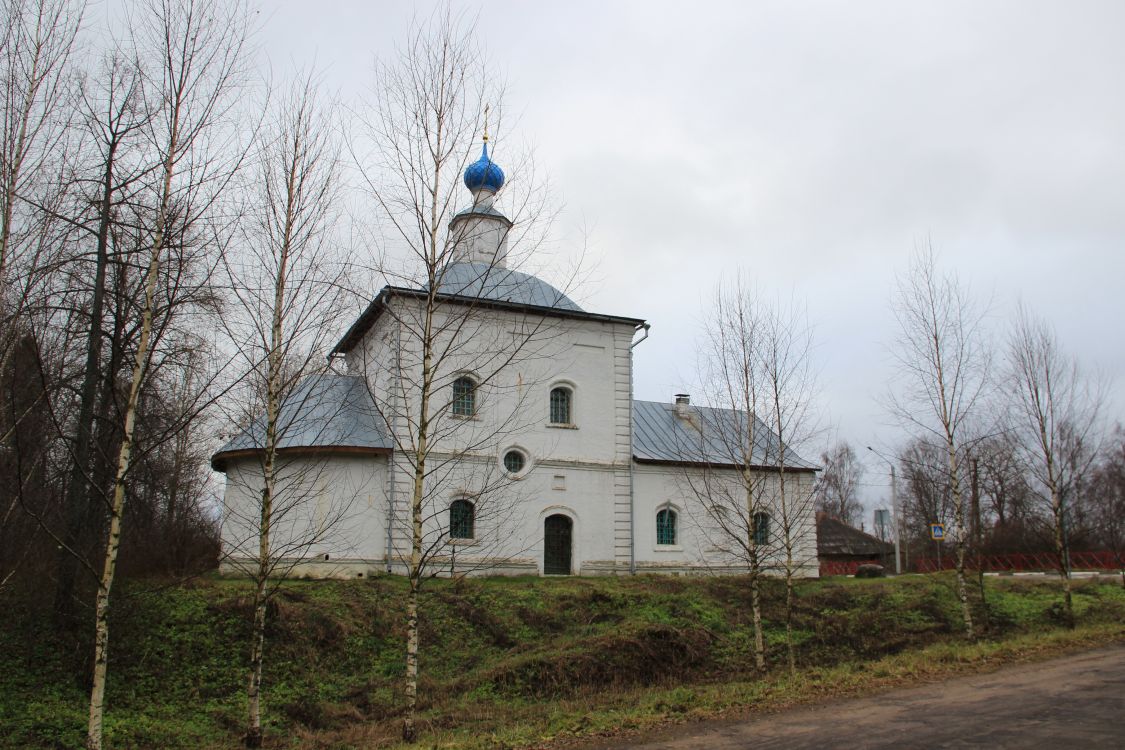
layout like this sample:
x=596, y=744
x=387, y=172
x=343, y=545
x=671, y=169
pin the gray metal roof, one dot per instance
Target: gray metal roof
x=484, y=281
x=470, y=283
x=326, y=410
x=336, y=411
x=713, y=436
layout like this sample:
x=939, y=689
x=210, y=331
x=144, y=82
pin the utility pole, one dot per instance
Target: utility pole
x=894, y=510
x=897, y=521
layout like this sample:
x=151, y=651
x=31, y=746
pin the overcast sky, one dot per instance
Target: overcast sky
x=812, y=145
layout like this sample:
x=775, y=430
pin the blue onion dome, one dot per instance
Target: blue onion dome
x=484, y=174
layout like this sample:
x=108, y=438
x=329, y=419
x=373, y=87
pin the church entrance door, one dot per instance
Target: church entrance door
x=556, y=545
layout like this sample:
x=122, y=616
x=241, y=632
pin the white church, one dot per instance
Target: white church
x=536, y=459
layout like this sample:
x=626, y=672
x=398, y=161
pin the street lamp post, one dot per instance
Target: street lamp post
x=894, y=512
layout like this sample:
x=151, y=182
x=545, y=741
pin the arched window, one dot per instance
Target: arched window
x=666, y=526
x=464, y=397
x=561, y=398
x=761, y=529
x=461, y=519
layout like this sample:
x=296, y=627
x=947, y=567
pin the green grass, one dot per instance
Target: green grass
x=509, y=662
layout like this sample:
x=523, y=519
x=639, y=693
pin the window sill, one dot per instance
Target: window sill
x=667, y=548
x=561, y=426
x=462, y=542
x=465, y=417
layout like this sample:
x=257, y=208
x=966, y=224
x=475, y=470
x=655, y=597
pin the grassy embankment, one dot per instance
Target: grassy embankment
x=510, y=662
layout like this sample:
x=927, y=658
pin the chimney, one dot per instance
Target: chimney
x=683, y=404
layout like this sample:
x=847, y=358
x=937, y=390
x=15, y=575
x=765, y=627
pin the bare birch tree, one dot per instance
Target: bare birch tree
x=429, y=106
x=942, y=373
x=1056, y=414
x=785, y=353
x=439, y=324
x=287, y=278
x=195, y=48
x=754, y=491
x=37, y=42
x=732, y=489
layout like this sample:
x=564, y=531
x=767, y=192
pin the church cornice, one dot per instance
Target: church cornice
x=697, y=464
x=367, y=319
x=480, y=212
x=220, y=460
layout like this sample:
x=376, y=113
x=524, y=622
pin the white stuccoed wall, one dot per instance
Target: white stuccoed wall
x=481, y=238
x=581, y=471
x=701, y=544
x=330, y=505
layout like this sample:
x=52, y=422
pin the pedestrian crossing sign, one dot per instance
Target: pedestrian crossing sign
x=937, y=531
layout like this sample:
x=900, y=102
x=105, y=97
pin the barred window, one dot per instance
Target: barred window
x=560, y=405
x=666, y=526
x=461, y=518
x=514, y=461
x=761, y=529
x=464, y=397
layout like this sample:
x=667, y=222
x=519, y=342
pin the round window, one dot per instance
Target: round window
x=514, y=461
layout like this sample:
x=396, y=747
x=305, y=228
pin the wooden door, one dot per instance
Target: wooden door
x=556, y=545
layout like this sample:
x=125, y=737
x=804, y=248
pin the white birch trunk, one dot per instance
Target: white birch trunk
x=1058, y=512
x=409, y=731
x=124, y=458
x=755, y=572
x=756, y=616
x=275, y=362
x=117, y=506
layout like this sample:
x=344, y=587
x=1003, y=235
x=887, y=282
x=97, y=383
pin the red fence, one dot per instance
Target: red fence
x=848, y=567
x=1020, y=561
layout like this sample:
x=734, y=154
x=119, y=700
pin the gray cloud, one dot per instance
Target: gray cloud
x=812, y=144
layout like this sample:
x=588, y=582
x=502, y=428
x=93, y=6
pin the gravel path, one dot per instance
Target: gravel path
x=1076, y=701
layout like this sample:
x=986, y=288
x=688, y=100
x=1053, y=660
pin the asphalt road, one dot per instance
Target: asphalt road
x=1075, y=701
